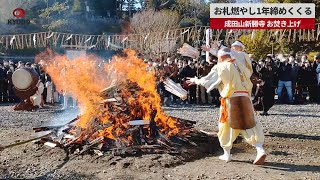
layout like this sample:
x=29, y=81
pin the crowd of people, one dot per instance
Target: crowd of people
x=297, y=75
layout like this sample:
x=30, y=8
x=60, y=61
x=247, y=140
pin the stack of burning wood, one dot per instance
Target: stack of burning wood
x=120, y=127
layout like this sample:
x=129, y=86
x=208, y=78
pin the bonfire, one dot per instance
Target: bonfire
x=120, y=108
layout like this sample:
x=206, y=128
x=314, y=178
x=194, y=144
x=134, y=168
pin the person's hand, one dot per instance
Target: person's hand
x=215, y=45
x=161, y=79
x=191, y=81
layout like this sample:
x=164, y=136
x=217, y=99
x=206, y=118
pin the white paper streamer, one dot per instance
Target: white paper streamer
x=185, y=31
x=88, y=40
x=50, y=35
x=69, y=37
x=252, y=34
x=108, y=43
x=124, y=39
x=146, y=37
x=12, y=39
x=93, y=46
x=34, y=39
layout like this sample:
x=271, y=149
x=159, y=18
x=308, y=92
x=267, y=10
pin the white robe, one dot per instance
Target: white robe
x=212, y=80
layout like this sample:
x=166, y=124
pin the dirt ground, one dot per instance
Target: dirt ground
x=293, y=150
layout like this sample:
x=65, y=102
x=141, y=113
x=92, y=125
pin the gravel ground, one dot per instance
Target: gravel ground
x=292, y=142
x=295, y=119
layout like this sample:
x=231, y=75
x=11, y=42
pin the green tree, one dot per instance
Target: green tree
x=77, y=6
x=101, y=8
x=260, y=46
x=193, y=12
x=303, y=47
x=54, y=16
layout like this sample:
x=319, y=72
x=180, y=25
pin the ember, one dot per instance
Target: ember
x=120, y=109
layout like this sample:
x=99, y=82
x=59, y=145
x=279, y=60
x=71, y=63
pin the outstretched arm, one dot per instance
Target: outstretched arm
x=214, y=48
x=210, y=81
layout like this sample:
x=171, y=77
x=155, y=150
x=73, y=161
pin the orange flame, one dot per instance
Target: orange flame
x=83, y=79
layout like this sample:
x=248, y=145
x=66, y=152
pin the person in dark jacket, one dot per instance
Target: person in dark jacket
x=11, y=95
x=187, y=71
x=294, y=72
x=306, y=79
x=204, y=70
x=285, y=80
x=314, y=82
x=264, y=97
x=3, y=84
x=171, y=71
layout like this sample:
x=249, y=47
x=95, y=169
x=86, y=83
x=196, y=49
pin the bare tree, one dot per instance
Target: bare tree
x=150, y=21
x=154, y=21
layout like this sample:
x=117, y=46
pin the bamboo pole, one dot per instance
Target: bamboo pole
x=289, y=36
x=18, y=42
x=6, y=42
x=300, y=35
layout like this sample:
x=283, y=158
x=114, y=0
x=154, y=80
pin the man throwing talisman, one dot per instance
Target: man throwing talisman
x=232, y=78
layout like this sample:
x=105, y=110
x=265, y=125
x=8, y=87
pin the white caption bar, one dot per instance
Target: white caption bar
x=262, y=10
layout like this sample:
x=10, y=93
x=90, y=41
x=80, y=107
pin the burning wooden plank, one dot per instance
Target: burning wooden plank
x=139, y=122
x=109, y=100
x=108, y=90
x=92, y=143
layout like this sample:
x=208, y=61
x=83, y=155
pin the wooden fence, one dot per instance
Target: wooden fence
x=153, y=41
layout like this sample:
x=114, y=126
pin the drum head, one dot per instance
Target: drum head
x=22, y=79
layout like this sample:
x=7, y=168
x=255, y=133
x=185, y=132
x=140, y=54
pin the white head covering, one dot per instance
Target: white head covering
x=283, y=60
x=223, y=52
x=280, y=56
x=238, y=43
